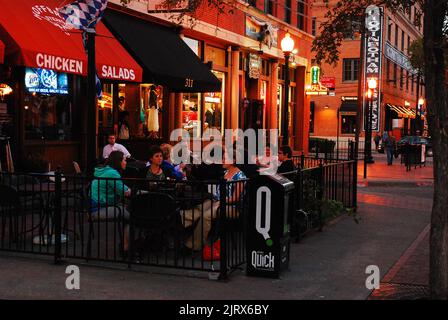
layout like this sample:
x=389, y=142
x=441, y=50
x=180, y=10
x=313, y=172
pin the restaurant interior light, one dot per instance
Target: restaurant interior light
x=421, y=101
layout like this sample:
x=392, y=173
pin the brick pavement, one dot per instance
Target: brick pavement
x=408, y=279
x=380, y=172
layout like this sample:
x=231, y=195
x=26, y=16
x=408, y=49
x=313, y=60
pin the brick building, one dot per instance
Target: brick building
x=335, y=115
x=249, y=63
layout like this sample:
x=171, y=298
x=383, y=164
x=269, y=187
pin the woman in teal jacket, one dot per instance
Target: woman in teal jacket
x=107, y=192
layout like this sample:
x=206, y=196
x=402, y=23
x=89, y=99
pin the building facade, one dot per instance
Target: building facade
x=243, y=51
x=334, y=116
x=222, y=71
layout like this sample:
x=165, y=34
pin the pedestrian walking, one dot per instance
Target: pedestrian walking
x=389, y=143
x=377, y=140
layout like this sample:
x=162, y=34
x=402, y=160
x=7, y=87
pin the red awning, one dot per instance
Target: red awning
x=2, y=51
x=36, y=36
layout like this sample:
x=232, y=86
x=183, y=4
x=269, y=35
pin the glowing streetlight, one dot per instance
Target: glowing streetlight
x=287, y=45
x=372, y=83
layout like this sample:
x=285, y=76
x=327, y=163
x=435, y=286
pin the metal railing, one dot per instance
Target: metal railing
x=337, y=150
x=335, y=181
x=157, y=223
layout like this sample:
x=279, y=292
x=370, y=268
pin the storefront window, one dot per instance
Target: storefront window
x=214, y=102
x=348, y=124
x=105, y=107
x=47, y=106
x=191, y=108
x=151, y=101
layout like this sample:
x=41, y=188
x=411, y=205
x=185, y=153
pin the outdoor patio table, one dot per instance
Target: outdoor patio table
x=48, y=188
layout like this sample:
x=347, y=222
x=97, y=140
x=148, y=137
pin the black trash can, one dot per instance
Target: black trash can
x=268, y=230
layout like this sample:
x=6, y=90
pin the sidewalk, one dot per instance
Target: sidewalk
x=326, y=265
x=409, y=276
x=380, y=174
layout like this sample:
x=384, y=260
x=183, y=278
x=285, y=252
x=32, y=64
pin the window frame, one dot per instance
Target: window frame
x=353, y=69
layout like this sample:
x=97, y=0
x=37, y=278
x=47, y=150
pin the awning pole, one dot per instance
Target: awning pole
x=92, y=135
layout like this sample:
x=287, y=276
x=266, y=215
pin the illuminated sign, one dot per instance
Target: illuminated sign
x=373, y=52
x=316, y=88
x=329, y=82
x=315, y=75
x=46, y=81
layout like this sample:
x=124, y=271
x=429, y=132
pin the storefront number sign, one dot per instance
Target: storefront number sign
x=189, y=83
x=372, y=60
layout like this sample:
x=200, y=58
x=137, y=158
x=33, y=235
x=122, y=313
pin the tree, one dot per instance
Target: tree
x=435, y=13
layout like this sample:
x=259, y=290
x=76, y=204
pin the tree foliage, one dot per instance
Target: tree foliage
x=416, y=54
x=348, y=15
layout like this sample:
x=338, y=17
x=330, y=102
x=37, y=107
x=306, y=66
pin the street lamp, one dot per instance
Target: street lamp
x=287, y=45
x=372, y=83
x=418, y=112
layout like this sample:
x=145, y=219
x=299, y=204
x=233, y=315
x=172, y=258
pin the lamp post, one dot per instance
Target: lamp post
x=418, y=118
x=372, y=84
x=415, y=127
x=287, y=45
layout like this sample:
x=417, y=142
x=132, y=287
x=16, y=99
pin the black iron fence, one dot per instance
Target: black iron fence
x=307, y=162
x=315, y=187
x=187, y=224
x=336, y=150
x=196, y=225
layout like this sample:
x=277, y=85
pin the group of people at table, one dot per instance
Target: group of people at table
x=105, y=193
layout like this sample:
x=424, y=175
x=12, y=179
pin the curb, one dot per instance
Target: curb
x=394, y=183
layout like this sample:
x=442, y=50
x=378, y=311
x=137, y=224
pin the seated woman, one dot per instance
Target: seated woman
x=155, y=171
x=204, y=213
x=108, y=190
x=169, y=169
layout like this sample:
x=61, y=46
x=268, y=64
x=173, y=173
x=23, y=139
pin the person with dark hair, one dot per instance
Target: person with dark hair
x=113, y=146
x=208, y=210
x=155, y=171
x=108, y=190
x=123, y=126
x=285, y=157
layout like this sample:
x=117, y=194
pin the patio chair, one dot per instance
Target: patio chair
x=86, y=210
x=9, y=208
x=17, y=205
x=157, y=218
